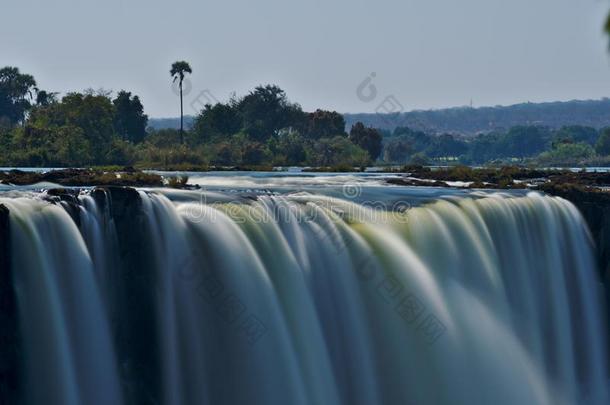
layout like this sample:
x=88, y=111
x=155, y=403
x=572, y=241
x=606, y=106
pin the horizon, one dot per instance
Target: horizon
x=489, y=52
x=603, y=98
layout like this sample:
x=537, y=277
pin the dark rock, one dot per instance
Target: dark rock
x=10, y=348
x=594, y=205
x=84, y=177
x=133, y=295
x=68, y=198
x=405, y=181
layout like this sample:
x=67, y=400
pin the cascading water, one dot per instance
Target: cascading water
x=156, y=297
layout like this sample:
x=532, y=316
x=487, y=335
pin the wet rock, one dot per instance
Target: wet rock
x=68, y=198
x=133, y=294
x=9, y=325
x=594, y=205
x=406, y=181
x=83, y=177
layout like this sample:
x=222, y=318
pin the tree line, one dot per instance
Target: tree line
x=261, y=128
x=471, y=121
x=37, y=128
x=569, y=145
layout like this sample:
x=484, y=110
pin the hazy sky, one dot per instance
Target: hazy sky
x=426, y=53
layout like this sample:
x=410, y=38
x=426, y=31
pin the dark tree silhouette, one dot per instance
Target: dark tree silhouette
x=178, y=71
x=266, y=110
x=44, y=98
x=129, y=118
x=368, y=139
x=324, y=124
x=15, y=90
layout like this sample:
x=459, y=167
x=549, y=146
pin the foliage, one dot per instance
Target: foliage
x=163, y=138
x=217, y=121
x=446, y=146
x=603, y=143
x=261, y=128
x=289, y=148
x=397, y=150
x=265, y=111
x=524, y=141
x=336, y=151
x=129, y=118
x=44, y=98
x=15, y=94
x=404, y=142
x=121, y=152
x=323, y=124
x=178, y=71
x=92, y=114
x=368, y=139
x=576, y=134
x=150, y=156
x=419, y=159
x=567, y=153
x=472, y=121
x=53, y=146
x=486, y=147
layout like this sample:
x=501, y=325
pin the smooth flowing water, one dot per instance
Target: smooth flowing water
x=345, y=292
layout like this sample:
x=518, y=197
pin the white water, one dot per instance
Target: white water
x=307, y=299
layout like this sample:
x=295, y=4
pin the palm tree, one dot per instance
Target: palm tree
x=178, y=71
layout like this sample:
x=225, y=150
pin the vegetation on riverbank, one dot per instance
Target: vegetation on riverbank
x=261, y=129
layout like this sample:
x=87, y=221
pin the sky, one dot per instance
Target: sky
x=348, y=56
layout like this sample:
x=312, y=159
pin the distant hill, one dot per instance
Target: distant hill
x=173, y=123
x=470, y=121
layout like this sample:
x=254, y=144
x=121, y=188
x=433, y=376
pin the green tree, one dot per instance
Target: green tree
x=526, y=141
x=567, y=153
x=44, y=98
x=93, y=114
x=163, y=138
x=225, y=154
x=324, y=124
x=419, y=140
x=217, y=121
x=70, y=147
x=337, y=151
x=266, y=110
x=129, y=118
x=121, y=153
x=603, y=143
x=254, y=153
x=289, y=149
x=486, y=147
x=576, y=134
x=368, y=139
x=419, y=159
x=446, y=146
x=397, y=151
x=178, y=71
x=15, y=90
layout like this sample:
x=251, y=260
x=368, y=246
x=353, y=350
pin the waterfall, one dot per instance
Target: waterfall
x=155, y=297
